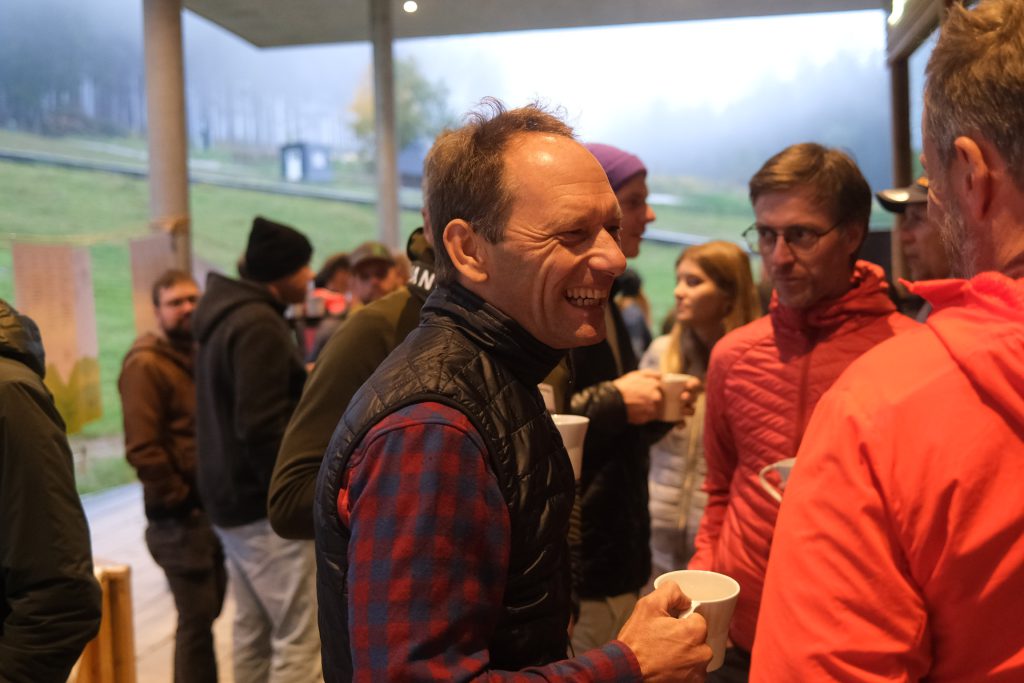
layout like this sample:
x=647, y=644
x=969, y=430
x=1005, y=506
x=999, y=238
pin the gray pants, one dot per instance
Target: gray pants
x=601, y=620
x=273, y=581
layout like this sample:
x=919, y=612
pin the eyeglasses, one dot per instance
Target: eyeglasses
x=797, y=237
x=181, y=301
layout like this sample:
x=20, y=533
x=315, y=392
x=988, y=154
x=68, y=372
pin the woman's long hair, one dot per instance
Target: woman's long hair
x=726, y=265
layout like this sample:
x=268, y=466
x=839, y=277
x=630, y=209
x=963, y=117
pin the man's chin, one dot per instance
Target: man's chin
x=589, y=335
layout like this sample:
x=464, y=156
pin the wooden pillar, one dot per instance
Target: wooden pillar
x=382, y=32
x=168, y=142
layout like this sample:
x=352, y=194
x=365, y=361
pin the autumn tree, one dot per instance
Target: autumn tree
x=421, y=107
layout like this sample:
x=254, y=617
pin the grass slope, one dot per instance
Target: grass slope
x=103, y=211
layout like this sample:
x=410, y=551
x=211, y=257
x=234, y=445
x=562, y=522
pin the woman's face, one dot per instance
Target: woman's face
x=699, y=301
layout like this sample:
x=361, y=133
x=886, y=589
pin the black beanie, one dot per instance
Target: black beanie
x=275, y=250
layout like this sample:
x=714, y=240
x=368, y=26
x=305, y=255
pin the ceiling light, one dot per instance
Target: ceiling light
x=410, y=6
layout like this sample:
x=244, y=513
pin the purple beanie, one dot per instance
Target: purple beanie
x=620, y=166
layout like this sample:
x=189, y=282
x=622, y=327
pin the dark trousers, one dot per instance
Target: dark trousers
x=735, y=668
x=190, y=555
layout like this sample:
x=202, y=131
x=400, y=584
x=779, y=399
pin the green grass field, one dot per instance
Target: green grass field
x=103, y=212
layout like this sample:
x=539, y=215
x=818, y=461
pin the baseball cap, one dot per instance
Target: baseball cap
x=367, y=252
x=897, y=199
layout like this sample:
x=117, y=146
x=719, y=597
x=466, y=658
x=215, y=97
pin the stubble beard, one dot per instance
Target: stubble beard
x=179, y=335
x=958, y=242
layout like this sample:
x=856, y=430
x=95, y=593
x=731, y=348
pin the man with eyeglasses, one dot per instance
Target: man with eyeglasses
x=159, y=405
x=812, y=207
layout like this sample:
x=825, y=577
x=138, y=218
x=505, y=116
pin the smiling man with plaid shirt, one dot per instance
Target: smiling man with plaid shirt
x=443, y=502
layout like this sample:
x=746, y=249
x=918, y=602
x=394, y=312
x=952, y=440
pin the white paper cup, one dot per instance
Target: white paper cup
x=573, y=429
x=782, y=468
x=672, y=384
x=714, y=596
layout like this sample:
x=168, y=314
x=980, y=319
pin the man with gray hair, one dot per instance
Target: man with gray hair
x=443, y=501
x=898, y=554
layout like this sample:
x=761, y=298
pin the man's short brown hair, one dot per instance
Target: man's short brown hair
x=831, y=178
x=168, y=279
x=976, y=81
x=464, y=172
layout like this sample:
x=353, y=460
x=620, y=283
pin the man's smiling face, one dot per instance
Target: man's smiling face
x=553, y=270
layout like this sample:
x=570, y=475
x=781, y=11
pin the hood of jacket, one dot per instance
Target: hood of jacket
x=981, y=323
x=868, y=296
x=222, y=296
x=20, y=339
x=150, y=342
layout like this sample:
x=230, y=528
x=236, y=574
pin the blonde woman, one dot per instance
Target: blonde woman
x=715, y=294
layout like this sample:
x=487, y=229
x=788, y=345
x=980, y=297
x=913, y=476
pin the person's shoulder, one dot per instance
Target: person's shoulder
x=382, y=313
x=736, y=344
x=426, y=414
x=19, y=386
x=903, y=365
x=900, y=322
x=657, y=347
x=17, y=377
x=145, y=348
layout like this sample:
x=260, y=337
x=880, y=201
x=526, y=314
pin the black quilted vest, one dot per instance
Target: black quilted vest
x=468, y=355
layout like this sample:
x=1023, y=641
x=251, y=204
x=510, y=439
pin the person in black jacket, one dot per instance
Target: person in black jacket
x=347, y=360
x=249, y=376
x=51, y=600
x=619, y=400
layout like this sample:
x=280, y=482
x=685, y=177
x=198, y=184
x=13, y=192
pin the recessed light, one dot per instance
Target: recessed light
x=410, y=6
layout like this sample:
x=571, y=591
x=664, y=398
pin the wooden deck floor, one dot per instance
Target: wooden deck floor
x=117, y=524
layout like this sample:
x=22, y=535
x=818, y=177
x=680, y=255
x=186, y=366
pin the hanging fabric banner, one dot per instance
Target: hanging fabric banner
x=53, y=286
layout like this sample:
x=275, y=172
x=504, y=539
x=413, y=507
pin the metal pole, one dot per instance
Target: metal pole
x=382, y=33
x=165, y=109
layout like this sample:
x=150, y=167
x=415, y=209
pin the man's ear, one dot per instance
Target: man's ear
x=972, y=178
x=854, y=235
x=467, y=250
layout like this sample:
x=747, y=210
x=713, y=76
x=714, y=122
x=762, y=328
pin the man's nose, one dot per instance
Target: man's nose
x=781, y=252
x=906, y=232
x=607, y=256
x=651, y=216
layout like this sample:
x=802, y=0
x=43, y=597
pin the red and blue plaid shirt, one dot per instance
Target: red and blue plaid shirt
x=428, y=557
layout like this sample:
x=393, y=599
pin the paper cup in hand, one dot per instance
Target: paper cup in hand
x=672, y=385
x=714, y=597
x=782, y=469
x=573, y=429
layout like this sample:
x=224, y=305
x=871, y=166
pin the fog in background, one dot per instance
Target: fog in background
x=710, y=99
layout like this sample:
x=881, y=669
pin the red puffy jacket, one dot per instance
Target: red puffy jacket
x=763, y=382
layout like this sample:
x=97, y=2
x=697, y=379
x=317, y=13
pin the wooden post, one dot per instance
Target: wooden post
x=110, y=656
